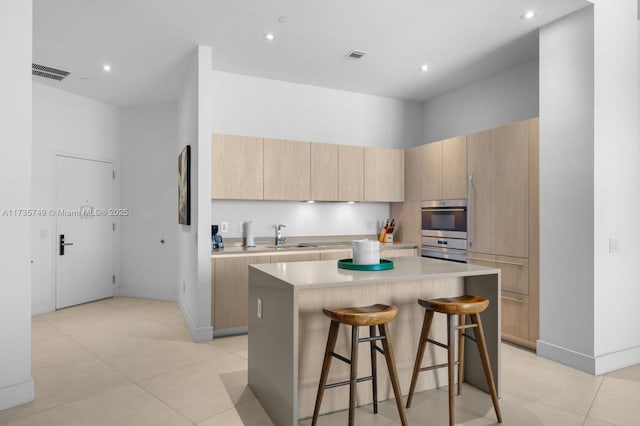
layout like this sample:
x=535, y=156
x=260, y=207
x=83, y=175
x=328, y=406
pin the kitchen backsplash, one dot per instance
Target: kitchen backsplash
x=300, y=218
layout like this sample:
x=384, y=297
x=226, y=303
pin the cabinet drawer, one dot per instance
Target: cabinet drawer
x=515, y=316
x=397, y=252
x=515, y=273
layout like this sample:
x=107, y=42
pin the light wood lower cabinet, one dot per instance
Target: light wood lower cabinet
x=515, y=318
x=515, y=295
x=397, y=252
x=335, y=255
x=230, y=276
x=295, y=257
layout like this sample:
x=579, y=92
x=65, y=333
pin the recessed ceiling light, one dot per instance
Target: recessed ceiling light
x=106, y=67
x=424, y=68
x=269, y=36
x=529, y=14
x=282, y=19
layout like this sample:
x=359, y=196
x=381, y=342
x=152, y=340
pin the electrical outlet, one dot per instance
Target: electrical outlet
x=259, y=312
x=224, y=226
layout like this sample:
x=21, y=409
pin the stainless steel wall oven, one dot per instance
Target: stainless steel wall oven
x=444, y=229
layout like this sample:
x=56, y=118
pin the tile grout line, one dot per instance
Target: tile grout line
x=595, y=395
x=164, y=403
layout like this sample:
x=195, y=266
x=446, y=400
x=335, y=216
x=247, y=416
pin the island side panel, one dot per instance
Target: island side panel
x=486, y=286
x=272, y=373
x=404, y=329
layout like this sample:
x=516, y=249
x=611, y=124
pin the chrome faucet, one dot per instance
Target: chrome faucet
x=279, y=238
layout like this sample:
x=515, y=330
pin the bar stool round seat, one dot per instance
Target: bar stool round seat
x=373, y=316
x=461, y=305
x=362, y=316
x=455, y=307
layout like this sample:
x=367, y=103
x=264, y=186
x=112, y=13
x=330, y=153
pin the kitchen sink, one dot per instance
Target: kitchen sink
x=290, y=246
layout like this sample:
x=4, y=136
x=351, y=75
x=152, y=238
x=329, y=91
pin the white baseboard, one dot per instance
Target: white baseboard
x=17, y=394
x=566, y=356
x=200, y=334
x=617, y=360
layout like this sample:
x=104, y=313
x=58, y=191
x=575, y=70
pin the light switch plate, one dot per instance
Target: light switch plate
x=224, y=226
x=259, y=312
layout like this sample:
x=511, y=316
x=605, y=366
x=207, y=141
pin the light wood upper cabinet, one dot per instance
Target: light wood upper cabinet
x=383, y=174
x=499, y=199
x=481, y=206
x=236, y=167
x=287, y=170
x=432, y=171
x=454, y=168
x=324, y=172
x=350, y=173
x=413, y=172
x=444, y=173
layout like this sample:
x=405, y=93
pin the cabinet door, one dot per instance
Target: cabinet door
x=454, y=168
x=287, y=169
x=511, y=190
x=481, y=192
x=324, y=172
x=383, y=174
x=295, y=257
x=515, y=318
x=335, y=255
x=350, y=173
x=515, y=273
x=236, y=163
x=414, y=168
x=231, y=289
x=432, y=171
x=397, y=252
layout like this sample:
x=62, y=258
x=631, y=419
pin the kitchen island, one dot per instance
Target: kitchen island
x=288, y=331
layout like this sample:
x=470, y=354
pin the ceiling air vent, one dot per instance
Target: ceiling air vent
x=355, y=54
x=48, y=72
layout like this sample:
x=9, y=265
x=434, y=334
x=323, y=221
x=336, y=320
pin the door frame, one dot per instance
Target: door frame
x=115, y=266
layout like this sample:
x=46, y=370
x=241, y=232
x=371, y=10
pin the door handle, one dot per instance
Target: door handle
x=62, y=244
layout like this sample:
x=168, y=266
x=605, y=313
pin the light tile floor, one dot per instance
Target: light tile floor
x=127, y=361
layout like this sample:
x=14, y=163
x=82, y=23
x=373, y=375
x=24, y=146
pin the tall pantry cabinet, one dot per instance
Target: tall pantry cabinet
x=503, y=220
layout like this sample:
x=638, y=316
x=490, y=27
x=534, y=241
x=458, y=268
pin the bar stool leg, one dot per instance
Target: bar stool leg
x=331, y=345
x=451, y=335
x=484, y=356
x=374, y=369
x=461, y=339
x=426, y=325
x=354, y=374
x=393, y=374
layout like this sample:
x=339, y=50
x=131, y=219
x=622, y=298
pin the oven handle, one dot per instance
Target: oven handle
x=470, y=208
x=442, y=209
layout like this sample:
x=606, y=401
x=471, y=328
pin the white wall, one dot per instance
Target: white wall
x=16, y=383
x=301, y=219
x=566, y=190
x=63, y=123
x=503, y=98
x=255, y=106
x=148, y=267
x=617, y=174
x=194, y=254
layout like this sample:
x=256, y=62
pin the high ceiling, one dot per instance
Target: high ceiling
x=147, y=42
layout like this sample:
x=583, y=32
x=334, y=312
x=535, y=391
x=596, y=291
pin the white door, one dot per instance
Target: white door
x=85, y=231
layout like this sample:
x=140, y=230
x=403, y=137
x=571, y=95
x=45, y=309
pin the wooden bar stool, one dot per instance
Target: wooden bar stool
x=455, y=306
x=370, y=316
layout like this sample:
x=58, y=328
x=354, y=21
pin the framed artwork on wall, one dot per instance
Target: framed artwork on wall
x=184, y=186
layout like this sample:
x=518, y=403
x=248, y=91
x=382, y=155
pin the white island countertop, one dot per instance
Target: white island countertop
x=326, y=274
x=288, y=331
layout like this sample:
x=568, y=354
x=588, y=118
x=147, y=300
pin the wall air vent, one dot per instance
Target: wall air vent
x=48, y=72
x=355, y=54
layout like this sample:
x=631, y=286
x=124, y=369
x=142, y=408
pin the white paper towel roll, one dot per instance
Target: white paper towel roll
x=247, y=234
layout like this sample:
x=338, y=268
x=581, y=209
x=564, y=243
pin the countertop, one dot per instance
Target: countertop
x=325, y=273
x=235, y=249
